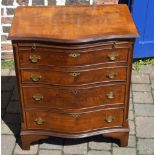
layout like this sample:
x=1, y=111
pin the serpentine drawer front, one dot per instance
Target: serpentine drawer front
x=73, y=97
x=73, y=57
x=78, y=122
x=78, y=77
x=73, y=74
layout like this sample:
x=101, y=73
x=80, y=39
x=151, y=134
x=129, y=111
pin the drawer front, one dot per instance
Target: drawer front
x=75, y=122
x=43, y=56
x=74, y=78
x=73, y=98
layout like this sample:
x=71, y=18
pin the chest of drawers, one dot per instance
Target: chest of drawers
x=73, y=66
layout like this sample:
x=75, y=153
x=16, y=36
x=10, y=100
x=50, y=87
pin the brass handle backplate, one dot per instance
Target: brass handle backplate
x=74, y=74
x=112, y=75
x=37, y=97
x=36, y=78
x=113, y=56
x=74, y=55
x=110, y=95
x=109, y=119
x=34, y=58
x=39, y=121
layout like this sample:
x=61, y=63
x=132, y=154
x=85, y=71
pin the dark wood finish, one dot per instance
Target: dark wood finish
x=75, y=122
x=73, y=74
x=122, y=136
x=78, y=77
x=73, y=97
x=26, y=140
x=63, y=24
x=72, y=57
x=61, y=47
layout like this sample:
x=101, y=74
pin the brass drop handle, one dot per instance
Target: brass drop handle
x=74, y=55
x=39, y=121
x=34, y=58
x=36, y=78
x=74, y=74
x=112, y=56
x=109, y=119
x=37, y=97
x=112, y=75
x=110, y=95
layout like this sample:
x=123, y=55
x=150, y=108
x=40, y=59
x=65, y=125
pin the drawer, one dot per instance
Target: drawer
x=72, y=57
x=74, y=122
x=73, y=98
x=78, y=77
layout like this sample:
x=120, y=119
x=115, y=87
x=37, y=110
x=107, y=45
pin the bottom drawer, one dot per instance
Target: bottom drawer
x=75, y=122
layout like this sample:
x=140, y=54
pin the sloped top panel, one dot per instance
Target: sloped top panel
x=72, y=24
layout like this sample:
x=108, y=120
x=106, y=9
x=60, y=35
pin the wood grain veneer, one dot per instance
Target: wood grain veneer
x=73, y=74
x=66, y=23
x=62, y=58
x=73, y=97
x=78, y=77
x=78, y=122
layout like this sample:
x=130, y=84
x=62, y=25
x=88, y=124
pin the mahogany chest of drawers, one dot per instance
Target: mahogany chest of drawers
x=73, y=65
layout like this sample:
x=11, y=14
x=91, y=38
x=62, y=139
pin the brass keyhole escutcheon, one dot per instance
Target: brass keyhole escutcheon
x=110, y=95
x=36, y=78
x=76, y=115
x=33, y=48
x=34, y=58
x=37, y=97
x=114, y=45
x=39, y=121
x=74, y=55
x=113, y=56
x=109, y=119
x=112, y=75
x=74, y=74
x=75, y=91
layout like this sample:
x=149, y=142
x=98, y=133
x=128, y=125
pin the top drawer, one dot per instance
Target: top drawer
x=73, y=56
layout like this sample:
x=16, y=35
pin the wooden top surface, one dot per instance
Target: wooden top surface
x=72, y=24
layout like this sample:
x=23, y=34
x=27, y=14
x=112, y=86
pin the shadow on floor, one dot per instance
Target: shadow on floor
x=10, y=112
x=11, y=116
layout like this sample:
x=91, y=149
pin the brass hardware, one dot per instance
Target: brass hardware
x=76, y=115
x=36, y=78
x=74, y=55
x=34, y=58
x=33, y=46
x=110, y=95
x=112, y=75
x=114, y=46
x=39, y=121
x=74, y=74
x=37, y=97
x=75, y=91
x=109, y=119
x=113, y=56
